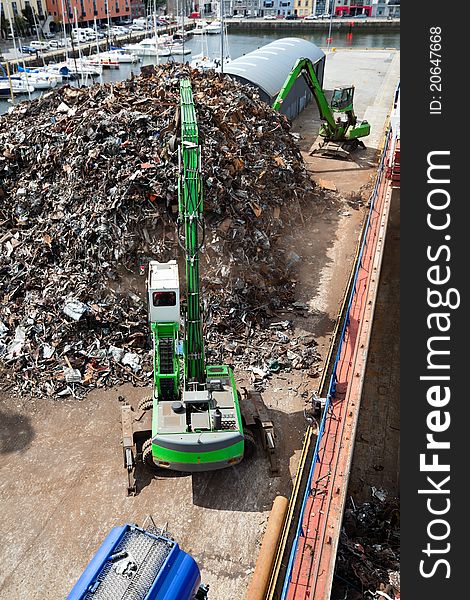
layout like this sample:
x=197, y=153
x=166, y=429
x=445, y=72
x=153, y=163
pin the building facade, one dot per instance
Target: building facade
x=323, y=7
x=394, y=8
x=88, y=10
x=33, y=13
x=386, y=8
x=352, y=8
x=137, y=9
x=303, y=8
x=249, y=8
x=20, y=7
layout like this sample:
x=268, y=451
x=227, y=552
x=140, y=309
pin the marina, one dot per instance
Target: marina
x=150, y=53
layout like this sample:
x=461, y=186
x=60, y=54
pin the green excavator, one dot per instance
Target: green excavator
x=340, y=133
x=195, y=420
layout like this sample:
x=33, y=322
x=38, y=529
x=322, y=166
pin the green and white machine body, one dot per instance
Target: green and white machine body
x=196, y=420
x=339, y=123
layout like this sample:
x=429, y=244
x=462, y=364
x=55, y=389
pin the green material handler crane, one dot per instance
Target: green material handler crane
x=340, y=131
x=194, y=421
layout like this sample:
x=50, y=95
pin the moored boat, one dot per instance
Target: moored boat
x=122, y=56
x=214, y=27
x=82, y=67
x=15, y=84
x=39, y=81
x=104, y=59
x=146, y=47
x=200, y=28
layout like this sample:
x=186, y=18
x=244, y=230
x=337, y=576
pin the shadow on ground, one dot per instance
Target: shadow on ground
x=238, y=488
x=16, y=432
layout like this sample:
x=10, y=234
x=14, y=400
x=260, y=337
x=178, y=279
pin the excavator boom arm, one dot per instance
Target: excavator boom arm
x=190, y=218
x=304, y=66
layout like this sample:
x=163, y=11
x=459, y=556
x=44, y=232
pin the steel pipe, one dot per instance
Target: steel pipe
x=267, y=554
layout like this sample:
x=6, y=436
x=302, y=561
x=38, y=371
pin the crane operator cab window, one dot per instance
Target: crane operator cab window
x=342, y=98
x=164, y=299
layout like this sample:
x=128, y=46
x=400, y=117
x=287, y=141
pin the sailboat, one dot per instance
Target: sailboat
x=200, y=28
x=214, y=27
x=39, y=80
x=13, y=84
x=17, y=86
x=202, y=61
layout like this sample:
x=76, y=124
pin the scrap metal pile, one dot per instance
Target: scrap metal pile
x=88, y=195
x=368, y=560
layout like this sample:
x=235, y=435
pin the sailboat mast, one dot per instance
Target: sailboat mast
x=62, y=8
x=80, y=58
x=12, y=28
x=183, y=11
x=222, y=35
x=154, y=19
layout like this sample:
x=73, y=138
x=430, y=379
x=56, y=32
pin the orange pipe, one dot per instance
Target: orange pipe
x=264, y=564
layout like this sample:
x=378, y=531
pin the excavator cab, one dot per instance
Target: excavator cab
x=342, y=99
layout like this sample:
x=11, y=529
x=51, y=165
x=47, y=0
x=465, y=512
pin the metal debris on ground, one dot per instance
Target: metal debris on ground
x=368, y=559
x=88, y=195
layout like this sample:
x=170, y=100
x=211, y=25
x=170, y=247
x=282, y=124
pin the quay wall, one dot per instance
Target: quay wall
x=302, y=26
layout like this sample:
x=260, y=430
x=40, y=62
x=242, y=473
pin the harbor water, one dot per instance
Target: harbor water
x=236, y=45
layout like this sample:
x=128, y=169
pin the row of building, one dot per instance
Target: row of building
x=48, y=12
x=301, y=8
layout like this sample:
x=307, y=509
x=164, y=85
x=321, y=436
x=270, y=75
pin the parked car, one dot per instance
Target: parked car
x=270, y=17
x=40, y=45
x=311, y=18
x=117, y=30
x=80, y=36
x=54, y=44
x=27, y=50
x=291, y=17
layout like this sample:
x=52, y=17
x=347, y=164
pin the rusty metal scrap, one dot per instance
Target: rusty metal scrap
x=368, y=559
x=88, y=195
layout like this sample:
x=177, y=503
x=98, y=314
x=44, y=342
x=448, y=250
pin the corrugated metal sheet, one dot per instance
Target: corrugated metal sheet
x=269, y=66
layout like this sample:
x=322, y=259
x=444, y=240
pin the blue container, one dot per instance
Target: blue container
x=133, y=564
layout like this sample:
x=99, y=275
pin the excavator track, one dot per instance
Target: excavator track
x=147, y=453
x=146, y=403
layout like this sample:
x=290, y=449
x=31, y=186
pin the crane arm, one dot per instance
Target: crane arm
x=190, y=203
x=304, y=67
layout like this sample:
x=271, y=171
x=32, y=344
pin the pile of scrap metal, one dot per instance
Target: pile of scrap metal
x=88, y=196
x=368, y=559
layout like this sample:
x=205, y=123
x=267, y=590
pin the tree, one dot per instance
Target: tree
x=21, y=25
x=29, y=16
x=5, y=28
